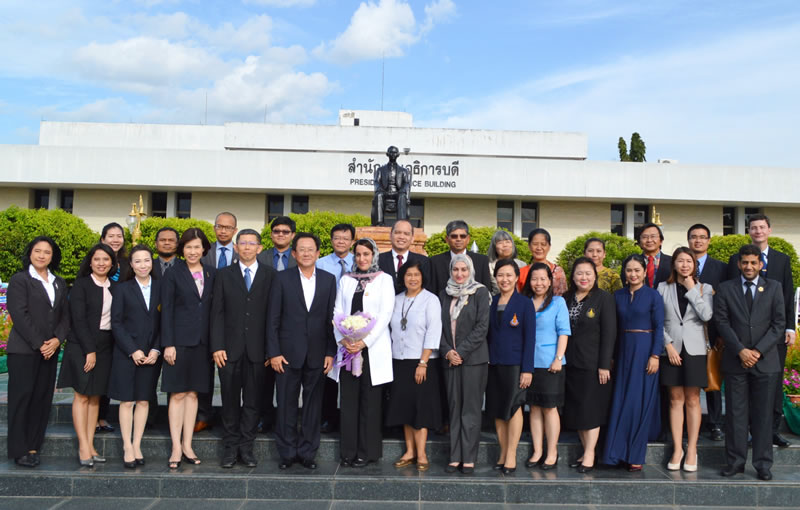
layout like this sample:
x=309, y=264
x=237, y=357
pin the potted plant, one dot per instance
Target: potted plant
x=791, y=388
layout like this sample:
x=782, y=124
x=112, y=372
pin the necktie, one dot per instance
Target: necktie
x=764, y=262
x=223, y=260
x=343, y=264
x=748, y=295
x=247, y=280
x=281, y=266
x=697, y=273
x=399, y=262
x=651, y=270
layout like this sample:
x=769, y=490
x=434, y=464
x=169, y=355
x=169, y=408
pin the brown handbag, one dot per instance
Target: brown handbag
x=713, y=359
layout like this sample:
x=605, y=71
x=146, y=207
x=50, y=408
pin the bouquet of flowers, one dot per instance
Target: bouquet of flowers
x=791, y=381
x=353, y=328
x=5, y=320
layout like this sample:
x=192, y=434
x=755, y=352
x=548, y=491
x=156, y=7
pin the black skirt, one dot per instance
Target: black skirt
x=547, y=389
x=94, y=382
x=131, y=383
x=191, y=371
x=418, y=405
x=503, y=394
x=586, y=401
x=692, y=371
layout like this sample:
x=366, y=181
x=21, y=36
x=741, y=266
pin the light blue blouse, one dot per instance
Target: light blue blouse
x=423, y=325
x=551, y=322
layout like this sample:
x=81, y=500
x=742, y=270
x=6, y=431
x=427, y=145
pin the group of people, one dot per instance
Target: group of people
x=595, y=349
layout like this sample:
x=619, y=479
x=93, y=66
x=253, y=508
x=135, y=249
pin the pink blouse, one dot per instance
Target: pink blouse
x=105, y=315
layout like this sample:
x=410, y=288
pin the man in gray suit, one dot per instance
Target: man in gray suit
x=751, y=320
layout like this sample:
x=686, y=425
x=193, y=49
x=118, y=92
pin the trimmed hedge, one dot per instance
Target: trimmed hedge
x=437, y=243
x=722, y=247
x=319, y=223
x=19, y=226
x=617, y=248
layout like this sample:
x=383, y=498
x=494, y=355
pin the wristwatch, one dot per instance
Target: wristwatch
x=560, y=358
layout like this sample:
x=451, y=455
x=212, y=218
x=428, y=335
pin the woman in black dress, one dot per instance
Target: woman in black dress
x=87, y=358
x=136, y=362
x=37, y=304
x=185, y=308
x=593, y=321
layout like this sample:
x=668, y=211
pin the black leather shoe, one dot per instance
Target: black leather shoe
x=467, y=470
x=548, y=467
x=498, y=467
x=309, y=463
x=359, y=462
x=285, y=463
x=139, y=462
x=529, y=464
x=584, y=469
x=764, y=474
x=35, y=457
x=716, y=434
x=25, y=461
x=248, y=459
x=780, y=441
x=508, y=471
x=345, y=462
x=730, y=470
x=228, y=459
x=450, y=468
x=129, y=465
x=574, y=464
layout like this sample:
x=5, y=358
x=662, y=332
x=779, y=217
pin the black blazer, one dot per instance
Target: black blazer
x=135, y=327
x=156, y=271
x=760, y=328
x=714, y=273
x=210, y=258
x=386, y=263
x=239, y=316
x=472, y=327
x=662, y=273
x=85, y=308
x=591, y=345
x=779, y=268
x=301, y=336
x=267, y=258
x=440, y=268
x=184, y=313
x=35, y=320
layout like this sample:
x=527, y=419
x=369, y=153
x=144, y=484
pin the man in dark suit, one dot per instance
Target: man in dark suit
x=221, y=254
x=390, y=262
x=301, y=347
x=238, y=345
x=750, y=318
x=166, y=247
x=775, y=266
x=712, y=272
x=457, y=232
x=659, y=264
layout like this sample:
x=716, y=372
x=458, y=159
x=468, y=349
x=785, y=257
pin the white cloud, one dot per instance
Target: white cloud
x=439, y=11
x=280, y=3
x=95, y=111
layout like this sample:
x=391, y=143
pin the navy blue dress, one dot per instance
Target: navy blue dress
x=635, y=414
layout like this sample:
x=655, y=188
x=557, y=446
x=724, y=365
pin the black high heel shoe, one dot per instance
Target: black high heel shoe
x=529, y=464
x=129, y=465
x=548, y=467
x=508, y=470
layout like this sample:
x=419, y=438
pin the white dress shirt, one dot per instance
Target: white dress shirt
x=49, y=284
x=145, y=290
x=309, y=287
x=394, y=259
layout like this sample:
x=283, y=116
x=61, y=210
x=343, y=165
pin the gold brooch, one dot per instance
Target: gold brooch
x=514, y=321
x=159, y=307
x=591, y=313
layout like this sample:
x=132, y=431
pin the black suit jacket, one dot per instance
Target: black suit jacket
x=267, y=257
x=440, y=268
x=591, y=345
x=714, y=273
x=156, y=271
x=210, y=258
x=779, y=268
x=301, y=336
x=662, y=273
x=239, y=316
x=760, y=328
x=86, y=308
x=386, y=263
x=135, y=326
x=35, y=320
x=184, y=313
x=472, y=326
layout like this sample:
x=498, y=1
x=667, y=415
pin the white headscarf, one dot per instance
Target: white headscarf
x=462, y=290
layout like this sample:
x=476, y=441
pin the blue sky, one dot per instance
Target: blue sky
x=703, y=82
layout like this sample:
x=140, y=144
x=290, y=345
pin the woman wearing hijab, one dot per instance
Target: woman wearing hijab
x=465, y=322
x=366, y=289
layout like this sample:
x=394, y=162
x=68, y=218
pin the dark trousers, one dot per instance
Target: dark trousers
x=289, y=443
x=361, y=434
x=777, y=413
x=330, y=402
x=267, y=407
x=714, y=405
x=205, y=401
x=749, y=403
x=31, y=381
x=466, y=385
x=102, y=412
x=240, y=387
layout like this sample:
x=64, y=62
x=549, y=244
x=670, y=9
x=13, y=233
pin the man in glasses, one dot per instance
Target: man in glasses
x=659, y=265
x=457, y=232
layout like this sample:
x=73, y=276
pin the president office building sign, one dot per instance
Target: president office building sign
x=425, y=175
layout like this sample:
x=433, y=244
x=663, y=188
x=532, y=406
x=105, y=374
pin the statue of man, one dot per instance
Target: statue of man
x=392, y=189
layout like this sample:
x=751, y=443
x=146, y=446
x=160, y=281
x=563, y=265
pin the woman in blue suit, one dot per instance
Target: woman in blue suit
x=512, y=336
x=136, y=362
x=185, y=309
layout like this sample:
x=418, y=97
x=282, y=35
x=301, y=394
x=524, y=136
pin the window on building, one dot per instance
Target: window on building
x=66, y=198
x=530, y=217
x=416, y=213
x=505, y=214
x=618, y=219
x=183, y=202
x=158, y=204
x=41, y=199
x=750, y=211
x=641, y=215
x=728, y=221
x=299, y=204
x=274, y=207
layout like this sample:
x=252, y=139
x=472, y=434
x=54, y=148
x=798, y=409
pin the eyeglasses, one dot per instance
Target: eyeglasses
x=459, y=236
x=651, y=237
x=281, y=232
x=224, y=228
x=248, y=243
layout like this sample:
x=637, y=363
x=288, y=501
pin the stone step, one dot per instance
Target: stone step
x=384, y=485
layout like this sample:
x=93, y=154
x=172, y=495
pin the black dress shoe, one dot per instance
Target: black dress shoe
x=25, y=461
x=285, y=463
x=584, y=469
x=309, y=463
x=139, y=462
x=228, y=459
x=359, y=462
x=508, y=470
x=345, y=462
x=731, y=470
x=780, y=441
x=548, y=467
x=467, y=470
x=764, y=474
x=35, y=457
x=248, y=459
x=129, y=465
x=450, y=468
x=716, y=434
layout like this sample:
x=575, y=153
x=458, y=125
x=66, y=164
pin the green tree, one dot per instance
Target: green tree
x=623, y=150
x=637, y=152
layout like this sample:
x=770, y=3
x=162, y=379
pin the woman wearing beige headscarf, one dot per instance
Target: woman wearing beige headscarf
x=465, y=322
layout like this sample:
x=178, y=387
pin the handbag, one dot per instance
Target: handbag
x=713, y=359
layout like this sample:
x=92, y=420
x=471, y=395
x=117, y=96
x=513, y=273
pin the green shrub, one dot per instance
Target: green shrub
x=617, y=248
x=20, y=226
x=151, y=226
x=319, y=223
x=437, y=243
x=722, y=247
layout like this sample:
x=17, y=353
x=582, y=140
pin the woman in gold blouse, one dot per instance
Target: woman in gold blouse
x=607, y=279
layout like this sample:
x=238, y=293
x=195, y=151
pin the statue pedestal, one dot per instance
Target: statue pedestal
x=381, y=236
